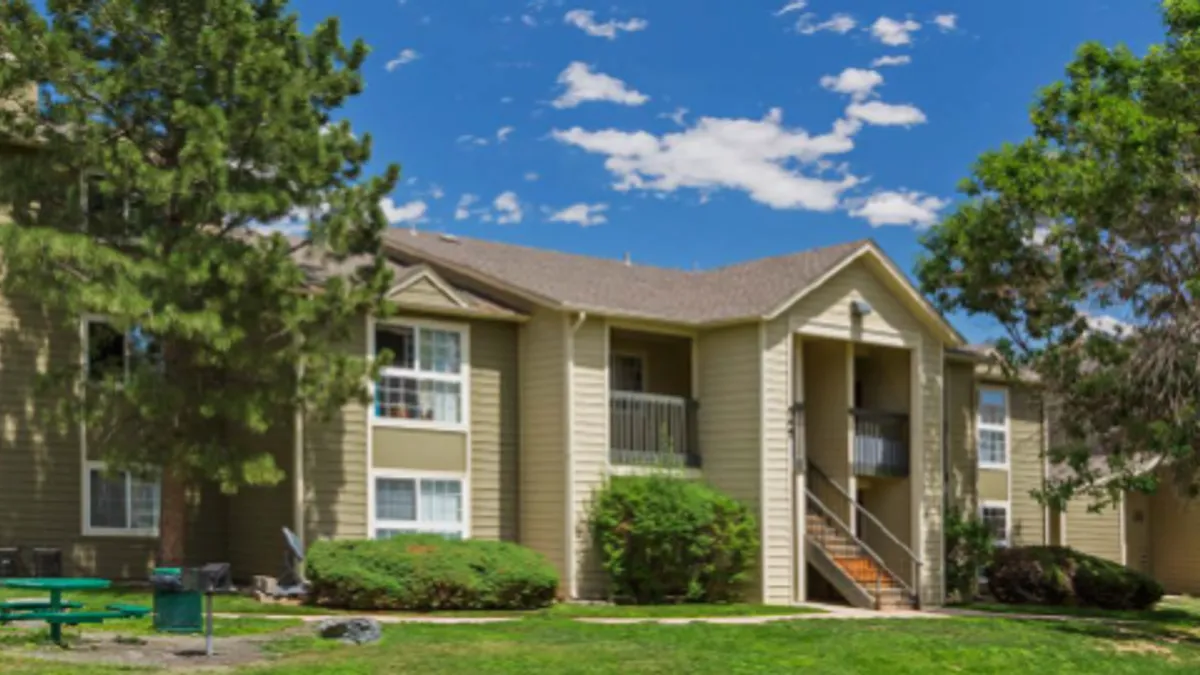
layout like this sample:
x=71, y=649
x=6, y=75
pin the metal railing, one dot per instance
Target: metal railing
x=880, y=443
x=837, y=506
x=653, y=430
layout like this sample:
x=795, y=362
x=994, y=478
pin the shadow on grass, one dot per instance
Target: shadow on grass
x=1129, y=631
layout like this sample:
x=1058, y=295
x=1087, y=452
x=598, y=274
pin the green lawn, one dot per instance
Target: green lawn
x=1176, y=610
x=234, y=604
x=671, y=611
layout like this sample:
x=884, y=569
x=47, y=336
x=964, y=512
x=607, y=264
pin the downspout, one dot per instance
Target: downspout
x=572, y=571
x=298, y=489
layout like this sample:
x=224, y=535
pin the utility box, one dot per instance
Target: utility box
x=177, y=609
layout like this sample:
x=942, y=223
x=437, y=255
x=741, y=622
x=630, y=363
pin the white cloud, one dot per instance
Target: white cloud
x=886, y=114
x=506, y=99
x=793, y=6
x=838, y=23
x=946, y=22
x=412, y=212
x=582, y=85
x=468, y=139
x=761, y=157
x=463, y=210
x=585, y=20
x=894, y=33
x=902, y=60
x=856, y=82
x=677, y=116
x=503, y=133
x=531, y=176
x=405, y=57
x=436, y=191
x=581, y=214
x=528, y=20
x=508, y=208
x=1110, y=325
x=899, y=208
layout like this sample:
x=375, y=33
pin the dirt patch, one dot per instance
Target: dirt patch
x=179, y=653
x=1143, y=647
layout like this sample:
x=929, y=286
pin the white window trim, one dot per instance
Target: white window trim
x=89, y=531
x=1007, y=508
x=463, y=378
x=375, y=524
x=1006, y=429
x=640, y=355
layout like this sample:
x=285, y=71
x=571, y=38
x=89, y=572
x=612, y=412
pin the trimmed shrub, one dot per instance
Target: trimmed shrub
x=667, y=539
x=428, y=572
x=1054, y=575
x=968, y=549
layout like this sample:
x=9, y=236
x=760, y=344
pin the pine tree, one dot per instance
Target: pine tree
x=167, y=134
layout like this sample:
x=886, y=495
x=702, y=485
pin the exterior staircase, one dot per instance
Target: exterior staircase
x=851, y=568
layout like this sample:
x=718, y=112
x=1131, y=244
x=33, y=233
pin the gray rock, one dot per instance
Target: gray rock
x=351, y=631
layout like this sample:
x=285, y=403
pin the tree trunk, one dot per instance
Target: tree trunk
x=172, y=521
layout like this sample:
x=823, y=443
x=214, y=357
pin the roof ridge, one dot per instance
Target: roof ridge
x=857, y=243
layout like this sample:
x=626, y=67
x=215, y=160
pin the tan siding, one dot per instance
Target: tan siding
x=779, y=549
x=335, y=466
x=495, y=436
x=589, y=445
x=730, y=415
x=424, y=293
x=929, y=477
x=993, y=485
x=829, y=304
x=543, y=470
x=890, y=501
x=827, y=423
x=1027, y=466
x=963, y=459
x=1138, y=543
x=1175, y=540
x=1097, y=534
x=420, y=449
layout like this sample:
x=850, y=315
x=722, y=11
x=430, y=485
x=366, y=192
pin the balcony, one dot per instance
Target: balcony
x=653, y=430
x=880, y=443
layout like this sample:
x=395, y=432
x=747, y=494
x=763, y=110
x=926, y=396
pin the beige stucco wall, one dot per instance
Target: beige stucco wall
x=543, y=468
x=420, y=449
x=730, y=414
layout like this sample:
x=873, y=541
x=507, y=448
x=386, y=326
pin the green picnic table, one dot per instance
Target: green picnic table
x=56, y=611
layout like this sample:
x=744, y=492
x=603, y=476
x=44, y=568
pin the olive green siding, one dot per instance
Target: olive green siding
x=543, y=468
x=962, y=454
x=1027, y=465
x=41, y=467
x=993, y=485
x=1174, y=535
x=419, y=449
x=1097, y=534
x=495, y=432
x=424, y=293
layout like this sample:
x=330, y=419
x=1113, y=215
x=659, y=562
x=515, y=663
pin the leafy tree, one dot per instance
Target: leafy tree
x=167, y=133
x=1096, y=214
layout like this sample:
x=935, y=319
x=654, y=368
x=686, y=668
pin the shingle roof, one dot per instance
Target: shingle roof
x=597, y=284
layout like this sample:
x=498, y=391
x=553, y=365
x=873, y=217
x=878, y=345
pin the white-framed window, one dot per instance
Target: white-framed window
x=426, y=381
x=627, y=372
x=412, y=503
x=120, y=503
x=995, y=516
x=993, y=432
x=109, y=353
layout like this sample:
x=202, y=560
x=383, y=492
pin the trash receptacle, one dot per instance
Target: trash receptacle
x=176, y=609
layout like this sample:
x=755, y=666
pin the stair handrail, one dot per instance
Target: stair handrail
x=913, y=588
x=845, y=529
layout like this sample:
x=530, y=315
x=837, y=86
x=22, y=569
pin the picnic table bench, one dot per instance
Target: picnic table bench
x=56, y=612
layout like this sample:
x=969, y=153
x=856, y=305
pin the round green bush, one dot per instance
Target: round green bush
x=1053, y=575
x=667, y=539
x=428, y=572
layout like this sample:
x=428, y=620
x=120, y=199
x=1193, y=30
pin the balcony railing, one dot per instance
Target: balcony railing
x=653, y=430
x=880, y=443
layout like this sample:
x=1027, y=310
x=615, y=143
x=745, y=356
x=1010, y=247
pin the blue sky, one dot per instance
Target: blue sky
x=564, y=120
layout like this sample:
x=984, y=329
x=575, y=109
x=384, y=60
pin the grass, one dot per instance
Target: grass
x=1171, y=611
x=671, y=611
x=232, y=604
x=837, y=647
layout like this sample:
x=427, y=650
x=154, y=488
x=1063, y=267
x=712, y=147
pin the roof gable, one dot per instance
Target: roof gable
x=422, y=286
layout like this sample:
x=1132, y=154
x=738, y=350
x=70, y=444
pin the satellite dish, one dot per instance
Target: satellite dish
x=293, y=543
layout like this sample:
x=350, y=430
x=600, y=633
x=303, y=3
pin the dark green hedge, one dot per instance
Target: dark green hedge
x=1053, y=575
x=428, y=572
x=666, y=539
